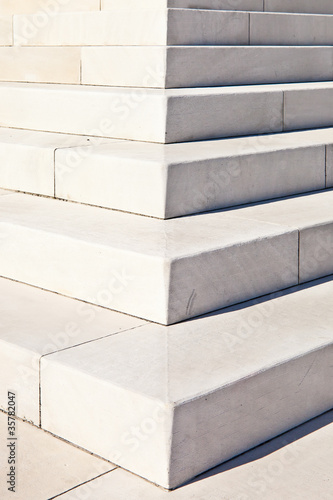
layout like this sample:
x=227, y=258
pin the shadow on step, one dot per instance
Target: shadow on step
x=271, y=446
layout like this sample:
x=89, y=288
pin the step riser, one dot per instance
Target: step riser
x=154, y=27
x=310, y=6
x=203, y=66
x=169, y=117
x=157, y=67
x=9, y=7
x=241, y=411
x=279, y=29
x=174, y=27
x=248, y=5
x=188, y=187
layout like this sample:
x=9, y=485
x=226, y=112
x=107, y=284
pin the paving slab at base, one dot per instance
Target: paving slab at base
x=176, y=401
x=204, y=66
x=167, y=181
x=45, y=466
x=27, y=158
x=164, y=271
x=296, y=464
x=34, y=323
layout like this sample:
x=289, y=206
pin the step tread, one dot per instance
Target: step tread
x=171, y=239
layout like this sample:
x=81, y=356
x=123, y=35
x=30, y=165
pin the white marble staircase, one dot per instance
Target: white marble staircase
x=166, y=224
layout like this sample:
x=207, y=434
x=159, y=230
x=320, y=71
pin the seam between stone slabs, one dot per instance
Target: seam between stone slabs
x=66, y=349
x=81, y=484
x=147, y=321
x=73, y=445
x=63, y=440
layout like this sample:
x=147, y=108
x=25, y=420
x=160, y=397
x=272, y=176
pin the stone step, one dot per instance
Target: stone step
x=46, y=8
x=201, y=390
x=166, y=181
x=202, y=66
x=172, y=402
x=174, y=27
x=166, y=116
x=296, y=6
x=166, y=271
x=166, y=67
x=173, y=180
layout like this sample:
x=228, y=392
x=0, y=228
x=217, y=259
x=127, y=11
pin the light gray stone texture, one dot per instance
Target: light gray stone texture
x=292, y=29
x=177, y=401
